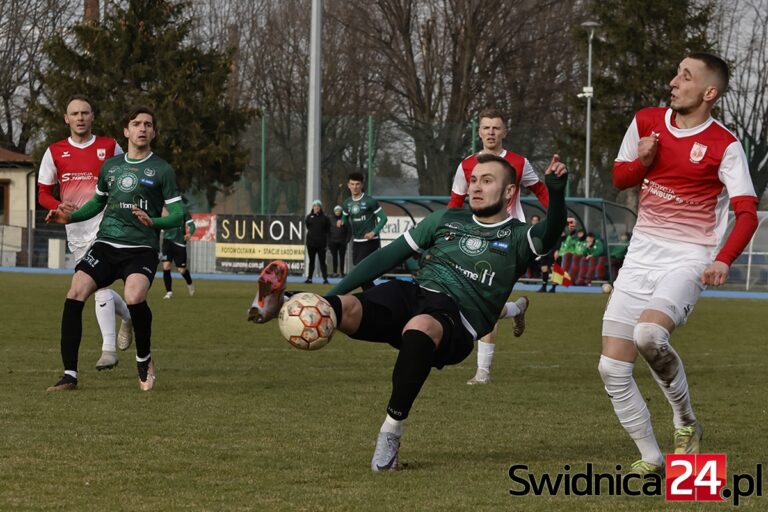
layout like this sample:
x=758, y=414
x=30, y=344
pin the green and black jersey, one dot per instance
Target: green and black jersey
x=177, y=234
x=363, y=214
x=475, y=264
x=149, y=184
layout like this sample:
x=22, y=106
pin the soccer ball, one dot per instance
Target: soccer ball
x=307, y=321
x=607, y=288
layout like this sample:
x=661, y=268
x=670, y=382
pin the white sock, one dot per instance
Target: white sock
x=485, y=355
x=630, y=407
x=71, y=373
x=105, y=316
x=392, y=426
x=510, y=309
x=142, y=359
x=652, y=342
x=121, y=308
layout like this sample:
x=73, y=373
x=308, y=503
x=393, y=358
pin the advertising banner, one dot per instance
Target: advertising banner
x=245, y=243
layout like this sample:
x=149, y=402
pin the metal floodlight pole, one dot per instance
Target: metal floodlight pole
x=314, y=117
x=587, y=92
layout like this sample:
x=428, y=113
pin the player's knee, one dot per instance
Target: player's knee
x=352, y=314
x=616, y=375
x=650, y=338
x=426, y=324
x=103, y=295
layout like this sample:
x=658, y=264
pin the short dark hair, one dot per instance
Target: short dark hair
x=484, y=158
x=717, y=66
x=491, y=113
x=134, y=112
x=79, y=97
x=356, y=176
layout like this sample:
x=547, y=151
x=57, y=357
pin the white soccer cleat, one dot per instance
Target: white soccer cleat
x=168, y=295
x=191, y=289
x=107, y=361
x=385, y=457
x=481, y=377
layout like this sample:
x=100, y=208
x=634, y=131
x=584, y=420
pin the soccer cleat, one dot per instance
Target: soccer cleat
x=385, y=455
x=125, y=335
x=168, y=295
x=519, y=320
x=66, y=383
x=107, y=361
x=269, y=293
x=481, y=377
x=191, y=289
x=688, y=438
x=147, y=375
x=543, y=289
x=642, y=468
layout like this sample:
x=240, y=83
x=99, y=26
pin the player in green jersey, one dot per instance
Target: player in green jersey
x=470, y=260
x=132, y=190
x=367, y=219
x=175, y=250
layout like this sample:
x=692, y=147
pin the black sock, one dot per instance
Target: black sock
x=411, y=371
x=142, y=327
x=71, y=332
x=167, y=280
x=187, y=276
x=545, y=278
x=335, y=303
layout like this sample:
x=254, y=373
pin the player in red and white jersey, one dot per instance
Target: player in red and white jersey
x=492, y=131
x=74, y=164
x=689, y=167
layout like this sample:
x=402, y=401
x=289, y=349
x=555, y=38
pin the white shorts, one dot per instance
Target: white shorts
x=658, y=274
x=79, y=249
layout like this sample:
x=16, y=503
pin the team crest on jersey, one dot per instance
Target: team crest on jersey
x=697, y=152
x=504, y=233
x=355, y=209
x=127, y=182
x=149, y=172
x=472, y=246
x=101, y=153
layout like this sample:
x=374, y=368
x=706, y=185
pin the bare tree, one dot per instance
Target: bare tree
x=25, y=25
x=442, y=61
x=743, y=35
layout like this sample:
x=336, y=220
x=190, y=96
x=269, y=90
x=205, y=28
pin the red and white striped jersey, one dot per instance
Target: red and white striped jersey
x=75, y=167
x=526, y=177
x=685, y=193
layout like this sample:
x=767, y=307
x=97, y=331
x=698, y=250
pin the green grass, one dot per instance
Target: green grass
x=241, y=421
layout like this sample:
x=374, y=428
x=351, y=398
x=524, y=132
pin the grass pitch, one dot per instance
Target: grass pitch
x=241, y=421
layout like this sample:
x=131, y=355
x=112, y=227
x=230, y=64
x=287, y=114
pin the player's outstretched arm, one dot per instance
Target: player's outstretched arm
x=546, y=234
x=174, y=219
x=64, y=213
x=374, y=265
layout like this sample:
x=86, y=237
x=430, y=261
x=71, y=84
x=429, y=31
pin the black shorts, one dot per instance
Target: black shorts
x=174, y=252
x=106, y=264
x=361, y=250
x=548, y=259
x=389, y=306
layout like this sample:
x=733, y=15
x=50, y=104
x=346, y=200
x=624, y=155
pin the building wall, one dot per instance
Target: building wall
x=17, y=211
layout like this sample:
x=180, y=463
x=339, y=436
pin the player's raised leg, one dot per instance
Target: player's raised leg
x=269, y=292
x=108, y=303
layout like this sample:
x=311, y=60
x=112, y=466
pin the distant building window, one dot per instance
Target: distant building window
x=5, y=192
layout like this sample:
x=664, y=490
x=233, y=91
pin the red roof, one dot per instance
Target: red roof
x=6, y=155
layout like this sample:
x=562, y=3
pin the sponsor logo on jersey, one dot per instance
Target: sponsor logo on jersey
x=472, y=246
x=145, y=181
x=127, y=182
x=65, y=154
x=101, y=153
x=149, y=172
x=500, y=247
x=482, y=273
x=697, y=152
x=503, y=233
x=450, y=236
x=77, y=176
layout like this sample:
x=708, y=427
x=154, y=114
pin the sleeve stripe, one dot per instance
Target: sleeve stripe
x=173, y=200
x=377, y=210
x=99, y=192
x=530, y=243
x=412, y=243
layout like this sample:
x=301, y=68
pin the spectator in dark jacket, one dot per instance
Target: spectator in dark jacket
x=338, y=241
x=318, y=227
